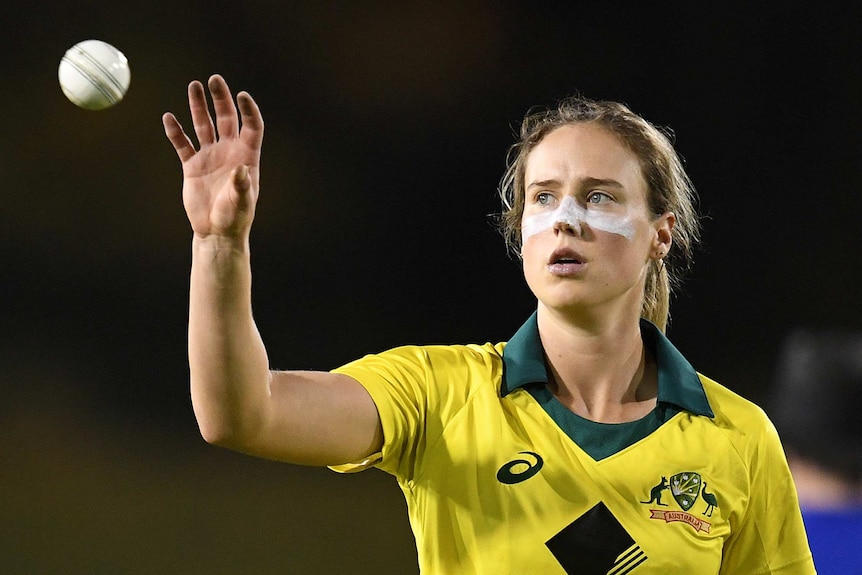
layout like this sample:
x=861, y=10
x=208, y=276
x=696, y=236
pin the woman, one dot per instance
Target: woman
x=586, y=444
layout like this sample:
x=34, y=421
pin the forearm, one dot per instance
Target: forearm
x=228, y=364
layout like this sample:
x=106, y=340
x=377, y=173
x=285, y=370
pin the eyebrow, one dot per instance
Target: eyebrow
x=585, y=183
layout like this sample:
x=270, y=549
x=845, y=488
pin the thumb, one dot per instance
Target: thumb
x=243, y=196
x=242, y=187
x=241, y=180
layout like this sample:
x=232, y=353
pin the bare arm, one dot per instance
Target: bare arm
x=314, y=418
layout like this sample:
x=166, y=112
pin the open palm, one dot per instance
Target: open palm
x=221, y=179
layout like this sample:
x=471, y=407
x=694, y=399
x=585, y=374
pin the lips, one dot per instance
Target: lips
x=565, y=262
x=565, y=256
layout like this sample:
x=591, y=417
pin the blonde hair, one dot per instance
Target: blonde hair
x=669, y=188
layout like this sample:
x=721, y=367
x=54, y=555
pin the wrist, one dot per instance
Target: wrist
x=220, y=262
x=220, y=245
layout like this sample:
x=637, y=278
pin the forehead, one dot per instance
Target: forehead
x=581, y=151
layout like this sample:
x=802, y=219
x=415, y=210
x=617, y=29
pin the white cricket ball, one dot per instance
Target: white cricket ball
x=94, y=75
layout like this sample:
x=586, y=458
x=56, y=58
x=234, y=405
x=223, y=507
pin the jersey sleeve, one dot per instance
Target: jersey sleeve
x=416, y=389
x=770, y=538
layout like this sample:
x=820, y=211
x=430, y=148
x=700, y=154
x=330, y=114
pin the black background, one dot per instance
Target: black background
x=387, y=128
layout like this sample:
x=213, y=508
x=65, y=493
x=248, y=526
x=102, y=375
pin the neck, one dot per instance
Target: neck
x=599, y=370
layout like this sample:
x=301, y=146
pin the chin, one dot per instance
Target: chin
x=567, y=303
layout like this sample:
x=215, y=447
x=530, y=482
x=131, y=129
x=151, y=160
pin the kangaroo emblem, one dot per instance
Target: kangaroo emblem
x=655, y=493
x=711, y=502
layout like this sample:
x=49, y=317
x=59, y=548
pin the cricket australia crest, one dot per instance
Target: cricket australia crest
x=685, y=487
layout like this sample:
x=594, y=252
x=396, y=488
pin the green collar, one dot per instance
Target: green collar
x=678, y=382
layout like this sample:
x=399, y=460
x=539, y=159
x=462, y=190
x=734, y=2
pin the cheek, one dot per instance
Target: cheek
x=530, y=249
x=630, y=257
x=617, y=255
x=531, y=259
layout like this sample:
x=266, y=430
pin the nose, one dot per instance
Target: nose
x=569, y=218
x=567, y=226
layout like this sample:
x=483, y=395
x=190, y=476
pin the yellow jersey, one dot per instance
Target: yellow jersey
x=500, y=477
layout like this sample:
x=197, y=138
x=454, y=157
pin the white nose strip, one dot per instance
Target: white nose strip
x=570, y=213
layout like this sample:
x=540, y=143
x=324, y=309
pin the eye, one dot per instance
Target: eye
x=597, y=197
x=544, y=198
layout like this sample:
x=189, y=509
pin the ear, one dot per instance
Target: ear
x=663, y=237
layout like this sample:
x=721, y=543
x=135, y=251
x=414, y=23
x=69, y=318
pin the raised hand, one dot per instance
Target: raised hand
x=221, y=178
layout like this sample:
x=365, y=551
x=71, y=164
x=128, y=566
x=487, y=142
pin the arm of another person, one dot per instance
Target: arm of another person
x=313, y=418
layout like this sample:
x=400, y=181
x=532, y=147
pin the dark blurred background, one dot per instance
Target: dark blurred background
x=387, y=128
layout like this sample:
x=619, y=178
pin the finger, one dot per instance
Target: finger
x=226, y=120
x=252, y=121
x=177, y=136
x=200, y=114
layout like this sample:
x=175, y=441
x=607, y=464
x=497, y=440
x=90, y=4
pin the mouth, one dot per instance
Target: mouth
x=565, y=262
x=565, y=256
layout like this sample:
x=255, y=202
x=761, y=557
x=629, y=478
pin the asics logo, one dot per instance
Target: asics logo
x=519, y=470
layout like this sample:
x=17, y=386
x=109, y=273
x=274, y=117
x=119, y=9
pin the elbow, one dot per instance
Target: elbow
x=231, y=419
x=222, y=433
x=217, y=435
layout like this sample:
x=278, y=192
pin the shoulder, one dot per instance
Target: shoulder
x=766, y=530
x=731, y=407
x=743, y=422
x=431, y=367
x=436, y=356
x=419, y=389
